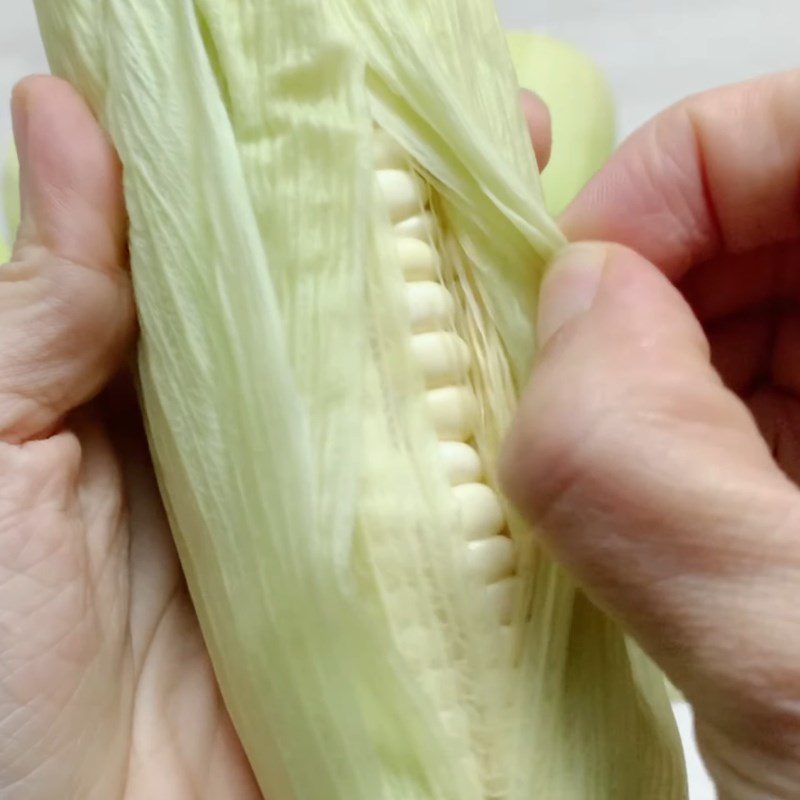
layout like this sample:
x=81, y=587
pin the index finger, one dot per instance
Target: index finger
x=717, y=173
x=537, y=115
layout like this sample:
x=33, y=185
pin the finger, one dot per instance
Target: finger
x=650, y=481
x=539, y=122
x=719, y=172
x=66, y=309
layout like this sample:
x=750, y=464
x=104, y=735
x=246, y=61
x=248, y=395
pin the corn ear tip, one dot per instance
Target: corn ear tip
x=577, y=66
x=585, y=132
x=523, y=42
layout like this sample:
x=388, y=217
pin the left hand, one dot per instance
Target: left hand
x=106, y=687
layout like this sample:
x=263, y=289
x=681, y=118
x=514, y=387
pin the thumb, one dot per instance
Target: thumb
x=650, y=481
x=66, y=308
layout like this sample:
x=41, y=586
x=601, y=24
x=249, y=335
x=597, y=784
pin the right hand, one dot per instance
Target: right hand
x=106, y=688
x=658, y=444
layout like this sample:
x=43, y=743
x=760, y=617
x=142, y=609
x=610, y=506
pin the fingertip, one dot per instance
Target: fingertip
x=537, y=115
x=622, y=289
x=640, y=306
x=569, y=286
x=628, y=370
x=70, y=176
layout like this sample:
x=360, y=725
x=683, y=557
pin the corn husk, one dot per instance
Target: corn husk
x=292, y=449
x=581, y=108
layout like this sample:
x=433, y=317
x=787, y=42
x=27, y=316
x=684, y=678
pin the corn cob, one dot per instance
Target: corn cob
x=337, y=231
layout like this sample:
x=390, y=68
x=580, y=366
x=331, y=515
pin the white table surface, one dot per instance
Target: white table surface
x=653, y=51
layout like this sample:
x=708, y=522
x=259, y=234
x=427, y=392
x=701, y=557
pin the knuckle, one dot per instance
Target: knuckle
x=65, y=326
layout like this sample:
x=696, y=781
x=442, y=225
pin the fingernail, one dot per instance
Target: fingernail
x=569, y=286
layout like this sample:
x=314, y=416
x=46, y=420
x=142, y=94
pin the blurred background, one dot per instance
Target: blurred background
x=654, y=52
x=657, y=51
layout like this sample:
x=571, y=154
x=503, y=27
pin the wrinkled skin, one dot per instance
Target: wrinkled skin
x=106, y=690
x=650, y=476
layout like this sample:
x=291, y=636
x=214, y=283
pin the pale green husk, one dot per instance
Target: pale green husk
x=10, y=202
x=290, y=440
x=583, y=121
x=581, y=107
x=11, y=191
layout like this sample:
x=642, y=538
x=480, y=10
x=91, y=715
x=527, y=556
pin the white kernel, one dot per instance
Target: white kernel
x=422, y=227
x=430, y=305
x=461, y=462
x=401, y=192
x=418, y=260
x=491, y=559
x=387, y=153
x=480, y=511
x=501, y=597
x=454, y=412
x=443, y=357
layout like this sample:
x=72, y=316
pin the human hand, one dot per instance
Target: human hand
x=658, y=444
x=106, y=690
